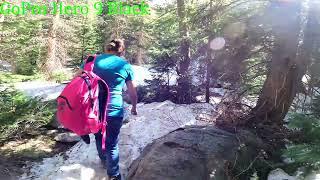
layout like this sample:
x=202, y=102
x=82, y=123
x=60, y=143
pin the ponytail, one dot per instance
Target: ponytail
x=116, y=46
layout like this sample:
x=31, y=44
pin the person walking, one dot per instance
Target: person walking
x=116, y=72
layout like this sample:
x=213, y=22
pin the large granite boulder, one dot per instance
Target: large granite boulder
x=196, y=153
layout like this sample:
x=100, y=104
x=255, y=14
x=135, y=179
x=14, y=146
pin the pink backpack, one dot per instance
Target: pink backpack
x=78, y=104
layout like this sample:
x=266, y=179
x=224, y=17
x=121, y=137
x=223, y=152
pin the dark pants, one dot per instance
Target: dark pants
x=111, y=155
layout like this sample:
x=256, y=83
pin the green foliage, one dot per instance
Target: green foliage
x=306, y=153
x=165, y=31
x=19, y=113
x=59, y=77
x=255, y=75
x=21, y=47
x=308, y=125
x=305, y=150
x=315, y=106
x=156, y=91
x=8, y=78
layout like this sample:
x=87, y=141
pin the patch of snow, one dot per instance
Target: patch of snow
x=250, y=100
x=306, y=79
x=46, y=90
x=141, y=74
x=287, y=160
x=279, y=174
x=219, y=91
x=212, y=99
x=153, y=121
x=313, y=176
x=50, y=90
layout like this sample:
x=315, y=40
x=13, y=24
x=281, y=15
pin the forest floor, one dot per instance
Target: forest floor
x=17, y=154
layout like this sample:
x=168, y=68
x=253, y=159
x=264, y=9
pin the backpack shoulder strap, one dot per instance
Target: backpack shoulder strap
x=90, y=58
x=89, y=64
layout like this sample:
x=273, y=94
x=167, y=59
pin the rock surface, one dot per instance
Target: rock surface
x=67, y=137
x=194, y=153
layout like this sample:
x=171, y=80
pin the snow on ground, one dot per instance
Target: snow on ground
x=51, y=90
x=46, y=90
x=141, y=74
x=144, y=73
x=279, y=174
x=153, y=121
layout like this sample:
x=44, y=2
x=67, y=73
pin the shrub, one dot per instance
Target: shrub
x=59, y=77
x=19, y=113
x=9, y=78
x=306, y=152
x=315, y=106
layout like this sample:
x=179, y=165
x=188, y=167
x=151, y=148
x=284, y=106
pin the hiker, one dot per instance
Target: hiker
x=116, y=72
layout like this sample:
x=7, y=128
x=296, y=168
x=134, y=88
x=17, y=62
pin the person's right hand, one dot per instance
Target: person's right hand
x=133, y=96
x=134, y=110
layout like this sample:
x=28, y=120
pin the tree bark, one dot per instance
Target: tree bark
x=139, y=53
x=286, y=68
x=52, y=61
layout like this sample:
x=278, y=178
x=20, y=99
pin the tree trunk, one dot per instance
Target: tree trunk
x=184, y=95
x=286, y=68
x=53, y=62
x=208, y=81
x=139, y=57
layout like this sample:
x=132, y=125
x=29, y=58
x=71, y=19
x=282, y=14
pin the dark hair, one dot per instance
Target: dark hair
x=116, y=45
